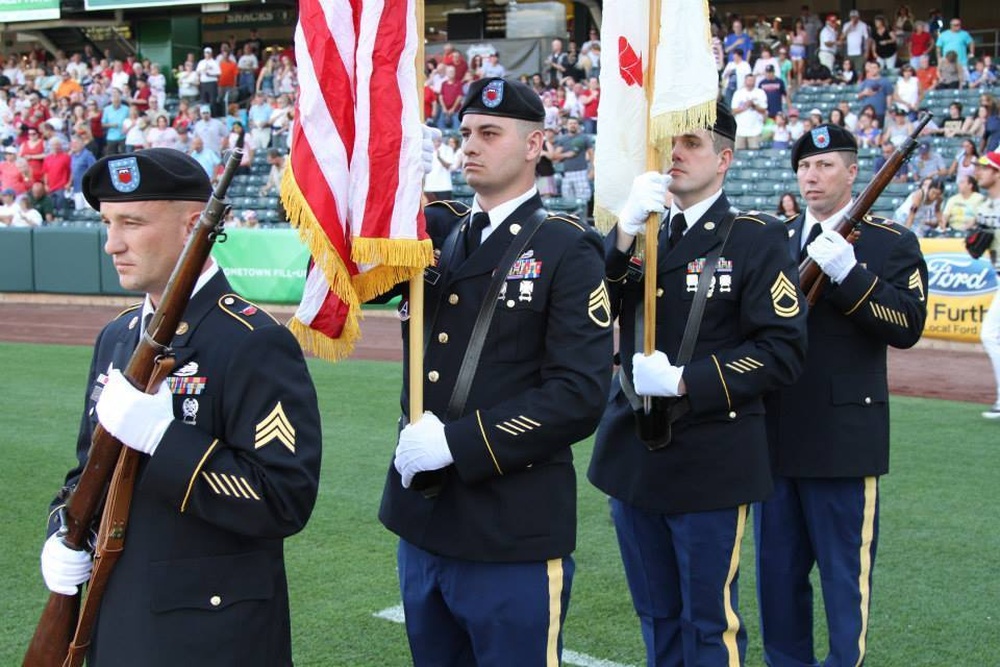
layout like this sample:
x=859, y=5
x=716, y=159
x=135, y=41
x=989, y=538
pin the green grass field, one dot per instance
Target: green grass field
x=935, y=579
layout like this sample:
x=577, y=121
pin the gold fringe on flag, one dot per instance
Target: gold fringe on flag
x=395, y=260
x=686, y=83
x=673, y=123
x=303, y=219
x=604, y=219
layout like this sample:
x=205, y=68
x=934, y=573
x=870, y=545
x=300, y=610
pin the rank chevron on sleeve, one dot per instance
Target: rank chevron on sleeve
x=275, y=426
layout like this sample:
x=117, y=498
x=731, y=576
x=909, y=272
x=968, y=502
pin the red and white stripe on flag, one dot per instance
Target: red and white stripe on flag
x=353, y=184
x=620, y=152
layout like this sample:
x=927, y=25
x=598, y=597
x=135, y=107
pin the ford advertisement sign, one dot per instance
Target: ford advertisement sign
x=959, y=290
x=957, y=274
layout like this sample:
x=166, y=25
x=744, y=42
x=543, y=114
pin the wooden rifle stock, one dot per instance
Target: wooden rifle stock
x=811, y=277
x=51, y=643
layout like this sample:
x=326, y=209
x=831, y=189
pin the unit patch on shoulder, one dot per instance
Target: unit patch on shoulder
x=599, y=306
x=784, y=297
x=275, y=426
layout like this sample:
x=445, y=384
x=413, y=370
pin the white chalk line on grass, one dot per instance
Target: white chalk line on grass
x=395, y=614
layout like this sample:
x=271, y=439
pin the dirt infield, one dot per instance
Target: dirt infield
x=933, y=369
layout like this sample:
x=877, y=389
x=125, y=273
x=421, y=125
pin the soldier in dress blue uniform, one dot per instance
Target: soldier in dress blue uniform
x=829, y=432
x=231, y=445
x=680, y=511
x=485, y=560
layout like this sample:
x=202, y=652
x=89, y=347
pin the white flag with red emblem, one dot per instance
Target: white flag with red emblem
x=620, y=152
x=353, y=182
x=687, y=82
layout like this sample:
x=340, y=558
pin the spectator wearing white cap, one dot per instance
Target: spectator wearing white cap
x=749, y=109
x=208, y=77
x=856, y=37
x=7, y=207
x=210, y=130
x=795, y=127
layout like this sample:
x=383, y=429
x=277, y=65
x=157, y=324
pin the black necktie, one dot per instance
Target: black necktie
x=677, y=226
x=474, y=235
x=816, y=230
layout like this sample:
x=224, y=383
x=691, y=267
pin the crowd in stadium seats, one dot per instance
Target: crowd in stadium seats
x=59, y=113
x=782, y=78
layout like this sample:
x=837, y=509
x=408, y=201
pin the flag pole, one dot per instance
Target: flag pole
x=652, y=222
x=416, y=295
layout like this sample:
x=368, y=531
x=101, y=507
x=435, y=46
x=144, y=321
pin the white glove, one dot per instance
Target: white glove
x=427, y=151
x=834, y=255
x=136, y=418
x=647, y=196
x=655, y=375
x=63, y=568
x=422, y=446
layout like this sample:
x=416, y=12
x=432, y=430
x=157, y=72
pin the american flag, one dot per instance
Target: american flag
x=353, y=184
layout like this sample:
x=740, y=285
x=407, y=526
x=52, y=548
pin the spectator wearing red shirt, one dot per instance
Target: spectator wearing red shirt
x=33, y=150
x=450, y=99
x=926, y=75
x=11, y=175
x=589, y=100
x=57, y=172
x=430, y=100
x=454, y=58
x=921, y=42
x=228, y=72
x=96, y=127
x=141, y=96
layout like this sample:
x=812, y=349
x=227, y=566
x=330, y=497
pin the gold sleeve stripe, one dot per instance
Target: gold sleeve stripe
x=235, y=485
x=479, y=420
x=208, y=479
x=249, y=489
x=744, y=365
x=517, y=427
x=722, y=379
x=225, y=478
x=530, y=421
x=863, y=297
x=219, y=483
x=889, y=314
x=194, y=474
x=507, y=430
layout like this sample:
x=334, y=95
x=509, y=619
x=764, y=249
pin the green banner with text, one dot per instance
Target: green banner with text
x=12, y=11
x=266, y=265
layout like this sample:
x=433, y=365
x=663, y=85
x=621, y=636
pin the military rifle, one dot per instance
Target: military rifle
x=811, y=277
x=62, y=636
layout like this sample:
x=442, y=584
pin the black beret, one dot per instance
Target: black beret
x=499, y=97
x=155, y=174
x=725, y=123
x=823, y=139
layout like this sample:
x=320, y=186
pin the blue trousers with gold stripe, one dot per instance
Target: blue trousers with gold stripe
x=832, y=523
x=462, y=613
x=682, y=571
